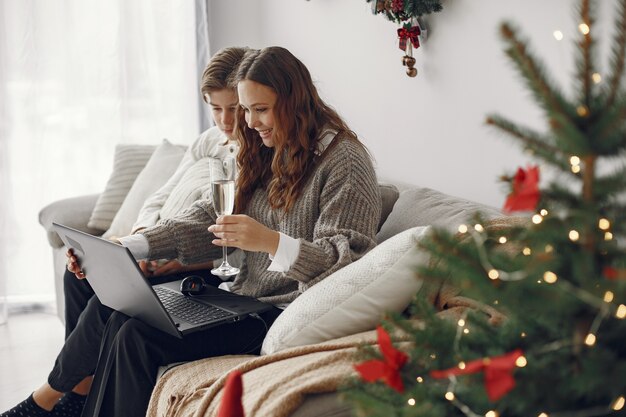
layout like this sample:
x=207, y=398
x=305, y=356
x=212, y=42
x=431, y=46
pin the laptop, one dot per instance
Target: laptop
x=117, y=280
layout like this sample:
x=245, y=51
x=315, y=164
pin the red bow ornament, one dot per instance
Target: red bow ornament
x=411, y=34
x=387, y=369
x=231, y=405
x=498, y=370
x=525, y=194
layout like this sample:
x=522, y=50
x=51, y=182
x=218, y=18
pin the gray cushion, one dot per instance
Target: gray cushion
x=323, y=405
x=389, y=194
x=73, y=212
x=421, y=206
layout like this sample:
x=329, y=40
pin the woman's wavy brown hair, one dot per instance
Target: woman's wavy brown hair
x=300, y=117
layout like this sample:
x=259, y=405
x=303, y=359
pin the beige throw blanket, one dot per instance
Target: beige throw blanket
x=275, y=385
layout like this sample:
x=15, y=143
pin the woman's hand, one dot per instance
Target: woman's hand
x=72, y=264
x=241, y=231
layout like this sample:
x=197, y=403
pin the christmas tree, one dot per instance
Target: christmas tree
x=558, y=275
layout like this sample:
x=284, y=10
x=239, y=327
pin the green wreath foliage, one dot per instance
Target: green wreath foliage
x=402, y=10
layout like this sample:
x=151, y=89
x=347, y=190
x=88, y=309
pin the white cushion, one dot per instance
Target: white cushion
x=353, y=299
x=128, y=162
x=195, y=184
x=155, y=174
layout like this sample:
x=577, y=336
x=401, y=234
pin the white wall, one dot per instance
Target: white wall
x=427, y=130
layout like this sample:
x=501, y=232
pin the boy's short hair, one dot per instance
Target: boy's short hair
x=221, y=69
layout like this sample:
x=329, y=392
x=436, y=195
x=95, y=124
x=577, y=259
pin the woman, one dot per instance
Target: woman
x=308, y=205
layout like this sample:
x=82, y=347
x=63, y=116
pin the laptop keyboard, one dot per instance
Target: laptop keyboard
x=180, y=306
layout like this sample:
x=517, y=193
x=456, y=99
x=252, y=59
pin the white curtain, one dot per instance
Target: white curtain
x=76, y=78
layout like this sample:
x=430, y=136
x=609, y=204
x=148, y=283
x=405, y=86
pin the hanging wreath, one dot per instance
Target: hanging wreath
x=406, y=14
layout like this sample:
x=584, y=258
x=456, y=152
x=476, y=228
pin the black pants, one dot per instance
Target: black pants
x=124, y=354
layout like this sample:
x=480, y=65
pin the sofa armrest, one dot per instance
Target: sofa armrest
x=73, y=212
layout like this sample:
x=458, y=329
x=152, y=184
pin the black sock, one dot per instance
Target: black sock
x=27, y=408
x=70, y=405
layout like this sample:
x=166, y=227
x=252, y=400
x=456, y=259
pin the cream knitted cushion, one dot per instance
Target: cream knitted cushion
x=128, y=162
x=354, y=298
x=154, y=175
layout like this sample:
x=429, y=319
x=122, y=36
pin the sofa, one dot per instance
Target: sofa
x=309, y=349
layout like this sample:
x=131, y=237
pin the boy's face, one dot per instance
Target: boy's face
x=223, y=107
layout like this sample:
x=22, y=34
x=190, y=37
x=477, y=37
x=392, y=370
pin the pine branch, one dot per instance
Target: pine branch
x=535, y=142
x=532, y=71
x=618, y=55
x=609, y=130
x=585, y=61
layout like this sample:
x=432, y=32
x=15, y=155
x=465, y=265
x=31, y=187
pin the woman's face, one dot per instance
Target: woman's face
x=223, y=107
x=257, y=102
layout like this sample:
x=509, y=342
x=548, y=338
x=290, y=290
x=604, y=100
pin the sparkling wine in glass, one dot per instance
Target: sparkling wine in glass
x=224, y=201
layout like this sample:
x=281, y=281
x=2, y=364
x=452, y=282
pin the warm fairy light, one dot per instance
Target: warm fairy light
x=461, y=365
x=419, y=379
x=584, y=28
x=449, y=396
x=558, y=35
x=496, y=302
x=537, y=218
x=575, y=169
x=604, y=224
x=582, y=111
x=526, y=251
x=493, y=274
x=491, y=413
x=549, y=248
x=466, y=331
x=590, y=340
x=621, y=311
x=574, y=160
x=542, y=415
x=596, y=77
x=461, y=322
x=573, y=235
x=523, y=334
x=608, y=236
x=433, y=356
x=608, y=297
x=462, y=228
x=411, y=401
x=618, y=404
x=543, y=212
x=549, y=277
x=478, y=227
x=502, y=239
x=521, y=362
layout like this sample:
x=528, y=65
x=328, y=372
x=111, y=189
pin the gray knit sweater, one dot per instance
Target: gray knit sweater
x=335, y=219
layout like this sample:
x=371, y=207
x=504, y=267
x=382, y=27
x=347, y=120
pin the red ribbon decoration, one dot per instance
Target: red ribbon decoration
x=525, y=194
x=498, y=370
x=387, y=369
x=231, y=405
x=410, y=34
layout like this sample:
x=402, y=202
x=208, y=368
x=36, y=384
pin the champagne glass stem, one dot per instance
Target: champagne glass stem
x=225, y=261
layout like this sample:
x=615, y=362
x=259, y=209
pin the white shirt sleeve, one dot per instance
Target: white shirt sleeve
x=137, y=245
x=286, y=254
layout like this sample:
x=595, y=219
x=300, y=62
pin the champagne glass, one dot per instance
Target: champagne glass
x=224, y=201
